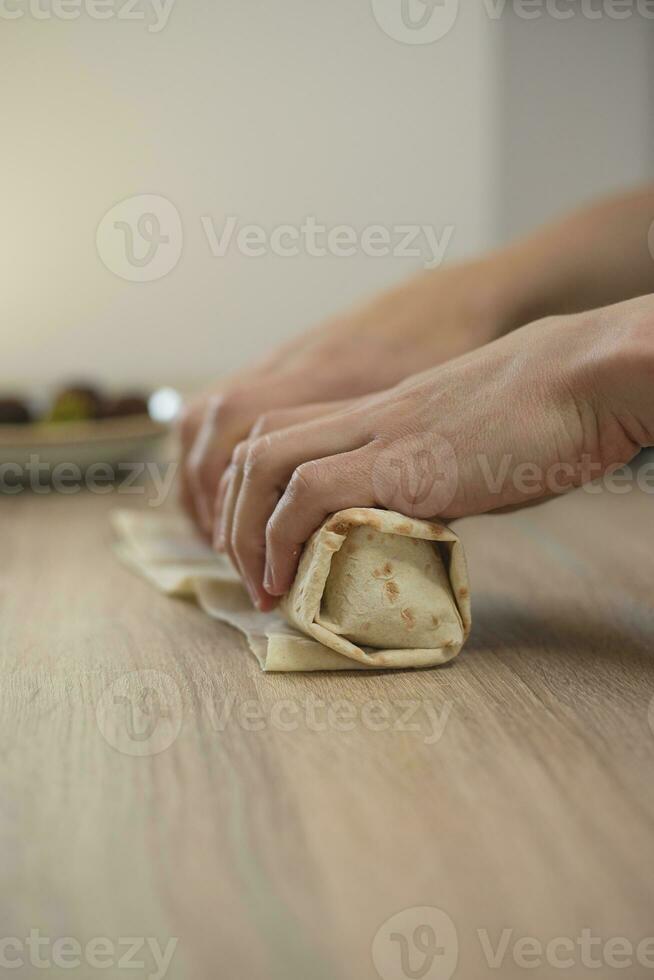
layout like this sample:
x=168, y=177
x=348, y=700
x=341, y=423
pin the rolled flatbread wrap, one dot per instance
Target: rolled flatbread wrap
x=382, y=589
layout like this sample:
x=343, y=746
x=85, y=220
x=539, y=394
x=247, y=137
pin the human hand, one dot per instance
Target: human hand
x=437, y=316
x=535, y=413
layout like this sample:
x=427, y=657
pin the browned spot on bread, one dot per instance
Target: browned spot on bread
x=391, y=590
x=370, y=536
x=404, y=528
x=338, y=527
x=365, y=627
x=374, y=522
x=435, y=621
x=409, y=618
x=386, y=571
x=463, y=593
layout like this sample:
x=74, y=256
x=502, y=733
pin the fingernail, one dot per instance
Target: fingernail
x=253, y=595
x=219, y=539
x=268, y=581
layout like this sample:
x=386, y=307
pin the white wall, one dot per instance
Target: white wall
x=272, y=112
x=267, y=111
x=575, y=111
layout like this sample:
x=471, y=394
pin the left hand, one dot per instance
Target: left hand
x=506, y=425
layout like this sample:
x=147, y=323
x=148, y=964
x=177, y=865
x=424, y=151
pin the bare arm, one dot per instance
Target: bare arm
x=596, y=256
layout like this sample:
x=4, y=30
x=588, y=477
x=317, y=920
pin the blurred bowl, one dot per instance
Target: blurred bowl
x=82, y=444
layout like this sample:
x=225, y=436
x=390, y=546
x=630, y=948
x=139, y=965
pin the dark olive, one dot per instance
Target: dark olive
x=126, y=405
x=13, y=411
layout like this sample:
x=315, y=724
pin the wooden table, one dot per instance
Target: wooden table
x=277, y=841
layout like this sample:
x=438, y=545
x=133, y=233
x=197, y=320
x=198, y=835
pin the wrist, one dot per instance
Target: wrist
x=626, y=367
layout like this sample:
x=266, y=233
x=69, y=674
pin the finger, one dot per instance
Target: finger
x=317, y=489
x=284, y=418
x=221, y=496
x=271, y=421
x=234, y=479
x=186, y=432
x=270, y=463
x=223, y=426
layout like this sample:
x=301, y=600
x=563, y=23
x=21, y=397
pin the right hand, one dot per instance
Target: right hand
x=434, y=317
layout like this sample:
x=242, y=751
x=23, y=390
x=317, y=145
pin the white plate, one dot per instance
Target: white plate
x=81, y=444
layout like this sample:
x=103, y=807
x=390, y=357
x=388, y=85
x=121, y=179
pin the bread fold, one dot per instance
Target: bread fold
x=373, y=590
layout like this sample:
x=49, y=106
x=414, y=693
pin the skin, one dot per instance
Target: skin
x=350, y=387
x=583, y=382
x=426, y=321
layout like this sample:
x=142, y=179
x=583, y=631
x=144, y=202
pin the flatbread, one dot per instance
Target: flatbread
x=373, y=590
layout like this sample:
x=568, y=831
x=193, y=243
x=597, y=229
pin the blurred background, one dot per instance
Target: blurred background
x=227, y=114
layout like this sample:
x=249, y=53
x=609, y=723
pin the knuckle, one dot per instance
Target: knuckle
x=240, y=453
x=257, y=456
x=223, y=407
x=265, y=423
x=306, y=478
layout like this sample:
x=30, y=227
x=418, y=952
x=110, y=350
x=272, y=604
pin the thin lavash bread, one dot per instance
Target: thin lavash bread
x=382, y=589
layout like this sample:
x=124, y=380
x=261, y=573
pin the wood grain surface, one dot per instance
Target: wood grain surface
x=292, y=817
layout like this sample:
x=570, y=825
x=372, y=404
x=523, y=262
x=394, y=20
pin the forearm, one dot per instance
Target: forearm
x=594, y=257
